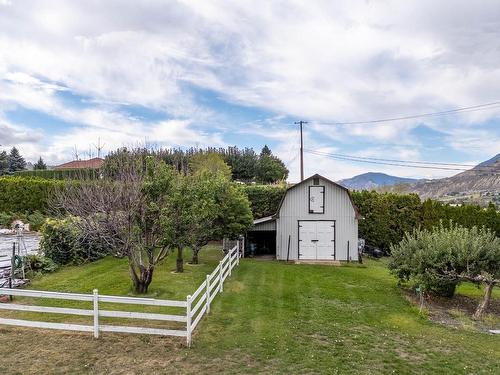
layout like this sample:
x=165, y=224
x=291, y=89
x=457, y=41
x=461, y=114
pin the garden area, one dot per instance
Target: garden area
x=273, y=317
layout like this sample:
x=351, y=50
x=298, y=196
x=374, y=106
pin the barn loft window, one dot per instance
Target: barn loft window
x=316, y=199
x=316, y=181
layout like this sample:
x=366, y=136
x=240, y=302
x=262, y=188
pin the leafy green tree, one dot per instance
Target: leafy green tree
x=209, y=162
x=40, y=165
x=439, y=259
x=270, y=168
x=16, y=161
x=214, y=199
x=4, y=163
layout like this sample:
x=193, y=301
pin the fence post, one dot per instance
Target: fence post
x=221, y=288
x=230, y=260
x=208, y=294
x=188, y=321
x=96, y=313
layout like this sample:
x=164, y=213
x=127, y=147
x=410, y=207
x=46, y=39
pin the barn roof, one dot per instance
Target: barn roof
x=358, y=215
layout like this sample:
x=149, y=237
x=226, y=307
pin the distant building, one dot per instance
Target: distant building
x=94, y=163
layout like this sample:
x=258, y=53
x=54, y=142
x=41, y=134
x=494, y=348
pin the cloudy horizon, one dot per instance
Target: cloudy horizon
x=215, y=73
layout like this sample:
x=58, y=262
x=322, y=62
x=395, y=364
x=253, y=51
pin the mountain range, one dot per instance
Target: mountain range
x=374, y=180
x=483, y=180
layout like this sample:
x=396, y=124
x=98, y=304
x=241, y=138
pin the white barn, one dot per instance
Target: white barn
x=316, y=220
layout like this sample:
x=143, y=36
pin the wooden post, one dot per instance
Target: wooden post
x=230, y=262
x=95, y=299
x=221, y=288
x=208, y=293
x=188, y=321
x=348, y=255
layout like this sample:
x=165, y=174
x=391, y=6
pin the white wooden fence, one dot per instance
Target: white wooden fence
x=194, y=307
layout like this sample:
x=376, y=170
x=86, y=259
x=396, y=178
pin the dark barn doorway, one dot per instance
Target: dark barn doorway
x=261, y=243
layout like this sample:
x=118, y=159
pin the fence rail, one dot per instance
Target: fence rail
x=195, y=306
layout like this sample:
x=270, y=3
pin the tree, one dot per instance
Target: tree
x=220, y=209
x=40, y=165
x=16, y=161
x=270, y=169
x=129, y=212
x=4, y=163
x=211, y=162
x=448, y=255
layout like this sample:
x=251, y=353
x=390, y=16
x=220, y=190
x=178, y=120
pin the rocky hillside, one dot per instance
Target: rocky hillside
x=373, y=181
x=484, y=178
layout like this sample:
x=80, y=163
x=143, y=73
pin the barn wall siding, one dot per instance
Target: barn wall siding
x=338, y=207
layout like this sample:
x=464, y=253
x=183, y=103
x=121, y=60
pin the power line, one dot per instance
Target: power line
x=398, y=160
x=355, y=159
x=479, y=107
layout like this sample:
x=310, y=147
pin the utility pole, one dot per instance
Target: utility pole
x=301, y=149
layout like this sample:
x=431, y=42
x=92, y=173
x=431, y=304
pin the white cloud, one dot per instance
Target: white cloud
x=322, y=61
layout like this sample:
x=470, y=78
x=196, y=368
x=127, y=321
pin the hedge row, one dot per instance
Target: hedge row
x=387, y=216
x=264, y=199
x=61, y=174
x=19, y=194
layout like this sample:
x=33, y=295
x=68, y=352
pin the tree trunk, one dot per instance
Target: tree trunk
x=483, y=305
x=141, y=282
x=196, y=250
x=180, y=260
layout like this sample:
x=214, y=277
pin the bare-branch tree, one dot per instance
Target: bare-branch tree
x=125, y=212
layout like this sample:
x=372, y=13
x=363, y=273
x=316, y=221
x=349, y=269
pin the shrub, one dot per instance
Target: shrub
x=438, y=259
x=35, y=219
x=63, y=243
x=36, y=264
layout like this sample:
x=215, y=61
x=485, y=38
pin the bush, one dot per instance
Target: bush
x=61, y=174
x=36, y=264
x=63, y=243
x=438, y=259
x=35, y=219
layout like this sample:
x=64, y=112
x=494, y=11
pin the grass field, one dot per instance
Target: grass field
x=272, y=318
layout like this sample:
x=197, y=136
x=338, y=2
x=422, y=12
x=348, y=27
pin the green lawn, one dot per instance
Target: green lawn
x=272, y=318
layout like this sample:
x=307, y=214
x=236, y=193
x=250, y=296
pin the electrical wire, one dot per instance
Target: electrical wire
x=356, y=159
x=474, y=108
x=400, y=161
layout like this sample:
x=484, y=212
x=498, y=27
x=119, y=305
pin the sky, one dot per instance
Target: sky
x=222, y=73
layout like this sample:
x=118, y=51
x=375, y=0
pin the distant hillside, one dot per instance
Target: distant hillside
x=372, y=180
x=483, y=179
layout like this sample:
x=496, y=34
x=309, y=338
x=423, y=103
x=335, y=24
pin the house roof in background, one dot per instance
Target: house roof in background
x=94, y=163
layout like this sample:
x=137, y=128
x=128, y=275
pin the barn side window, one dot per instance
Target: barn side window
x=316, y=199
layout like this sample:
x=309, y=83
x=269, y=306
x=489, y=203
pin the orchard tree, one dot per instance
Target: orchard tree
x=439, y=259
x=16, y=161
x=40, y=165
x=129, y=212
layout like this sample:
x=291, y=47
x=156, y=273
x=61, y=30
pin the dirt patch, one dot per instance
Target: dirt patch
x=457, y=311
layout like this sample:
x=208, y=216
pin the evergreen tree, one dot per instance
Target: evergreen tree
x=4, y=163
x=270, y=168
x=16, y=161
x=40, y=165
